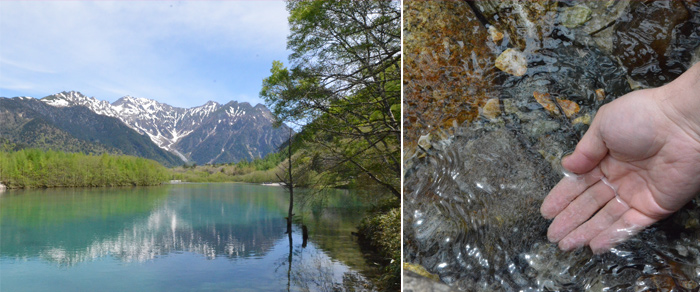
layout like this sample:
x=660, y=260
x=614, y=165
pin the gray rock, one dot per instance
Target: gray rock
x=603, y=14
x=575, y=16
x=413, y=282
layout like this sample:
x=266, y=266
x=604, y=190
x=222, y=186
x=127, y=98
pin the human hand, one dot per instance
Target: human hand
x=638, y=163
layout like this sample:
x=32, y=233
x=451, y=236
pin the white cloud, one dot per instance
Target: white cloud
x=149, y=46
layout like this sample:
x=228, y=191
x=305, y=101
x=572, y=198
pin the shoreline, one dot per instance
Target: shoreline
x=272, y=184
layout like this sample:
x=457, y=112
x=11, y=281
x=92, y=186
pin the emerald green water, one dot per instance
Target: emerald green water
x=189, y=237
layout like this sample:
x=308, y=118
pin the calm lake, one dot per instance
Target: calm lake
x=186, y=237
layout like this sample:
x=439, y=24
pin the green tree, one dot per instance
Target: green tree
x=343, y=86
x=36, y=168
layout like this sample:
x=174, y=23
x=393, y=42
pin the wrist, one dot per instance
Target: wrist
x=680, y=101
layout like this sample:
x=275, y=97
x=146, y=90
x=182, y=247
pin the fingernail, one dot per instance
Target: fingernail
x=553, y=237
x=599, y=250
x=565, y=245
x=546, y=213
x=567, y=154
x=563, y=160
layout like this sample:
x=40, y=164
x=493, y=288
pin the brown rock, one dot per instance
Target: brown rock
x=584, y=119
x=495, y=34
x=570, y=108
x=653, y=40
x=546, y=102
x=447, y=70
x=655, y=283
x=600, y=94
x=521, y=20
x=492, y=109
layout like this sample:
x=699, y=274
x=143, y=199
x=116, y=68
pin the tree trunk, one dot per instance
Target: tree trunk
x=291, y=184
x=289, y=260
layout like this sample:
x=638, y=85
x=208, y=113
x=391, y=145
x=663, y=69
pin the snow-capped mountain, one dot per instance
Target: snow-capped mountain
x=211, y=133
x=31, y=123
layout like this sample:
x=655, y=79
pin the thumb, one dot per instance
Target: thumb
x=588, y=153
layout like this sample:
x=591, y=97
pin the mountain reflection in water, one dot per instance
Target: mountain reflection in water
x=213, y=236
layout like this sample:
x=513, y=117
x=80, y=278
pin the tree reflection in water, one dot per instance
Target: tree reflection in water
x=310, y=269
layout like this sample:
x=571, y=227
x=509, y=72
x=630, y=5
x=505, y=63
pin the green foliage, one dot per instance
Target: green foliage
x=257, y=171
x=270, y=161
x=382, y=232
x=35, y=168
x=344, y=88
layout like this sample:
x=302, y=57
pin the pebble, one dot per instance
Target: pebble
x=600, y=94
x=584, y=119
x=492, y=109
x=495, y=34
x=570, y=108
x=424, y=141
x=512, y=62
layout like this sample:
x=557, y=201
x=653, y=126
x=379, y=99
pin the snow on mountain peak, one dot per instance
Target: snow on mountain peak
x=69, y=98
x=164, y=124
x=234, y=112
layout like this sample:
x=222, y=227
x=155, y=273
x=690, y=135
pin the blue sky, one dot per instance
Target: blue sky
x=180, y=53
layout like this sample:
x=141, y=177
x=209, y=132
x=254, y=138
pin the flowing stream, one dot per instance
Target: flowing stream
x=495, y=93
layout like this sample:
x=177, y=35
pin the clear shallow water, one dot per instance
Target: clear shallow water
x=195, y=237
x=482, y=147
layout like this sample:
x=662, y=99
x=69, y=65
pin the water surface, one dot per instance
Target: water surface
x=189, y=237
x=483, y=138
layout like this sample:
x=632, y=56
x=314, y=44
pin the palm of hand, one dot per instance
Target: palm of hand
x=634, y=170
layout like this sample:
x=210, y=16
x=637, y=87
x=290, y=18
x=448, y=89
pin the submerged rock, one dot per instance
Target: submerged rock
x=495, y=34
x=491, y=109
x=601, y=14
x=575, y=16
x=512, y=62
x=448, y=70
x=523, y=22
x=569, y=108
x=413, y=282
x=655, y=40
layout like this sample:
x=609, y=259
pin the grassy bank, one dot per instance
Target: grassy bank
x=35, y=168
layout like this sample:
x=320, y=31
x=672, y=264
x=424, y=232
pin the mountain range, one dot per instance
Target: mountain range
x=211, y=133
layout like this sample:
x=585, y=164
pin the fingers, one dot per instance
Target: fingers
x=580, y=210
x=589, y=151
x=613, y=224
x=628, y=225
x=570, y=187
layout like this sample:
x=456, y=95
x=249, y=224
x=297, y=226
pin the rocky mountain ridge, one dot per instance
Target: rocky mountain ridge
x=28, y=122
x=210, y=133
